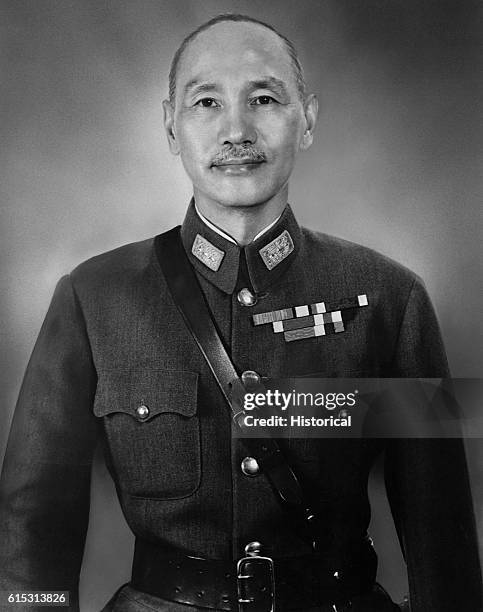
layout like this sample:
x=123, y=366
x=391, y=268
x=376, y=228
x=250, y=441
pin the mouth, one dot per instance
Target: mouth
x=239, y=161
x=236, y=166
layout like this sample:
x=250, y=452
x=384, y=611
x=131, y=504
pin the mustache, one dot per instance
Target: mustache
x=247, y=153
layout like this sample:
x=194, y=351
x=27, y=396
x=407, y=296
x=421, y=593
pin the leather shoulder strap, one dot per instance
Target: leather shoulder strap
x=190, y=301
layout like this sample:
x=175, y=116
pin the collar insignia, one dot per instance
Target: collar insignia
x=310, y=320
x=277, y=250
x=207, y=253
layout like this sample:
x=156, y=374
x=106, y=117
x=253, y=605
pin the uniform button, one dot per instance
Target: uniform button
x=249, y=466
x=253, y=549
x=249, y=377
x=246, y=297
x=142, y=411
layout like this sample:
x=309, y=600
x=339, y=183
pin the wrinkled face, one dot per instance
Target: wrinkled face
x=238, y=120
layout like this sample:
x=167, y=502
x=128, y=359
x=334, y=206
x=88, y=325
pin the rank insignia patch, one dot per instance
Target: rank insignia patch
x=207, y=253
x=276, y=251
x=311, y=320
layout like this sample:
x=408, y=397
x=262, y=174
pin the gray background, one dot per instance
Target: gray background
x=396, y=165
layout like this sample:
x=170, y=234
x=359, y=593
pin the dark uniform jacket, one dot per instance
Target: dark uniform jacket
x=113, y=341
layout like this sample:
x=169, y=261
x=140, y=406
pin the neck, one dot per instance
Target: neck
x=243, y=223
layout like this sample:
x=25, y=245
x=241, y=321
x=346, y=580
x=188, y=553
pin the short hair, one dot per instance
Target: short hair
x=235, y=17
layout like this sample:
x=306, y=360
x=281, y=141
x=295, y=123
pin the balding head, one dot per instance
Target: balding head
x=286, y=45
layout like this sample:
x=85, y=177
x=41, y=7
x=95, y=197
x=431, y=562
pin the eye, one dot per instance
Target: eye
x=207, y=103
x=263, y=100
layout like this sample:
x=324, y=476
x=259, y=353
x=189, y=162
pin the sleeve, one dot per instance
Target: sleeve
x=428, y=485
x=45, y=481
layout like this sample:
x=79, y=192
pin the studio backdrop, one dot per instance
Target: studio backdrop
x=396, y=165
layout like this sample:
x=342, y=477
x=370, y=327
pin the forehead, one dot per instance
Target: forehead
x=235, y=50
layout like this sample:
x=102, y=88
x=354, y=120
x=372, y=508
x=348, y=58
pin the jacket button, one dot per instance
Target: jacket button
x=142, y=411
x=253, y=549
x=249, y=377
x=249, y=466
x=246, y=298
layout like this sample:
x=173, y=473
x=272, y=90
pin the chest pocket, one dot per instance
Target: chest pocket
x=152, y=430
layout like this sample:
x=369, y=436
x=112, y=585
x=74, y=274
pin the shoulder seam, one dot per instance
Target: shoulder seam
x=399, y=332
x=78, y=305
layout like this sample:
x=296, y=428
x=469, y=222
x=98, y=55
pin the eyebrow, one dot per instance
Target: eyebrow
x=197, y=86
x=269, y=82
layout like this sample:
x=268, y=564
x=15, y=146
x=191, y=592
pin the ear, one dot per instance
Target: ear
x=169, y=127
x=311, y=110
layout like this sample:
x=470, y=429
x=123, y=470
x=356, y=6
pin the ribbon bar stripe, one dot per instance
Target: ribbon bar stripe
x=309, y=312
x=312, y=320
x=313, y=331
x=275, y=315
x=354, y=302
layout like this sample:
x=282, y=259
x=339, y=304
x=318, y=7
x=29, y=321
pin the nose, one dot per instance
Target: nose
x=236, y=126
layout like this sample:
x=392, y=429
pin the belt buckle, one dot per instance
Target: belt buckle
x=259, y=597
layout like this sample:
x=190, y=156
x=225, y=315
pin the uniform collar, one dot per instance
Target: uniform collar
x=227, y=236
x=218, y=259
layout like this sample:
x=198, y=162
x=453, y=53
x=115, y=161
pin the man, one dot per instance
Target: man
x=116, y=362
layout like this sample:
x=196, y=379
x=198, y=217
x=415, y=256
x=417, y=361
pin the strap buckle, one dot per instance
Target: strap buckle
x=256, y=584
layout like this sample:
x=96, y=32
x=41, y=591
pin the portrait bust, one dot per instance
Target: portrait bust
x=118, y=367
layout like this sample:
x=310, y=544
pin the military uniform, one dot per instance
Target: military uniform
x=114, y=359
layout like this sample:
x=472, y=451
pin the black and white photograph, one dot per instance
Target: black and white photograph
x=203, y=201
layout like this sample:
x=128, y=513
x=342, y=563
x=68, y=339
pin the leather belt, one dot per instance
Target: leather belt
x=252, y=584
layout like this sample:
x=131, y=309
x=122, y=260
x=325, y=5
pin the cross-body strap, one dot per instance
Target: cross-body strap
x=190, y=301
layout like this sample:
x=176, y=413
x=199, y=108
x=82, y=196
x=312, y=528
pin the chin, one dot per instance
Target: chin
x=238, y=201
x=235, y=200
x=240, y=195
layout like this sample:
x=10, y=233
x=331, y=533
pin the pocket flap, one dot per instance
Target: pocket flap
x=157, y=391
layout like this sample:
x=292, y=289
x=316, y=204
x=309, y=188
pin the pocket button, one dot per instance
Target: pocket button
x=142, y=412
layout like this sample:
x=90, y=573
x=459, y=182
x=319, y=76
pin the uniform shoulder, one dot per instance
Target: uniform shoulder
x=356, y=259
x=116, y=264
